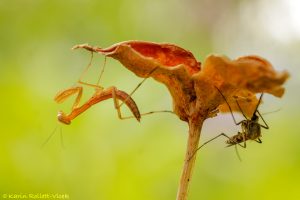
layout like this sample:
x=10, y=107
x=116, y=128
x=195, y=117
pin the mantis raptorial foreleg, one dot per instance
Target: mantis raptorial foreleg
x=61, y=96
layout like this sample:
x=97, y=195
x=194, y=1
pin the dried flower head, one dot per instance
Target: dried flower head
x=193, y=86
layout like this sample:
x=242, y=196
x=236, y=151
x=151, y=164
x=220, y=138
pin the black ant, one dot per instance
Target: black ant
x=251, y=129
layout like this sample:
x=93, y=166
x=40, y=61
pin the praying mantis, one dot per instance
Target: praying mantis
x=100, y=94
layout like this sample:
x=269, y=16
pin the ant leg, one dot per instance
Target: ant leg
x=235, y=145
x=264, y=126
x=256, y=110
x=61, y=96
x=258, y=140
x=236, y=123
x=222, y=134
x=237, y=153
x=244, y=139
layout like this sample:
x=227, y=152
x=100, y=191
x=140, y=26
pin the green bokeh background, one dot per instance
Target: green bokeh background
x=103, y=157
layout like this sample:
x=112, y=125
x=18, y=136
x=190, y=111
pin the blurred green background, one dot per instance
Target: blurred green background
x=103, y=157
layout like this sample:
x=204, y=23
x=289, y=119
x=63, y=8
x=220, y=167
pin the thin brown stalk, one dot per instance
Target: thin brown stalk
x=195, y=126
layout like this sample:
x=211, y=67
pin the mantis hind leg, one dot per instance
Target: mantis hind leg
x=137, y=87
x=117, y=106
x=125, y=98
x=85, y=71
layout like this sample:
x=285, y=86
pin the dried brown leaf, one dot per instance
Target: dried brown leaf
x=237, y=79
x=193, y=88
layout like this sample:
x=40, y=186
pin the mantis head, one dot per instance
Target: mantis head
x=62, y=117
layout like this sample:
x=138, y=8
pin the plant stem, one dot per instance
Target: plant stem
x=195, y=126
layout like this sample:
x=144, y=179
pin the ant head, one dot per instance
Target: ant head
x=254, y=117
x=61, y=116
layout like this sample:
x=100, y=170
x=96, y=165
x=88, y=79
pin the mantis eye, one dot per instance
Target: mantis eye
x=61, y=116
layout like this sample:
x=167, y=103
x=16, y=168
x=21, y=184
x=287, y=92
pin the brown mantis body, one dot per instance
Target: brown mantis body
x=100, y=95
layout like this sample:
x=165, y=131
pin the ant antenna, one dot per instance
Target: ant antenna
x=266, y=113
x=258, y=103
x=241, y=109
x=266, y=125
